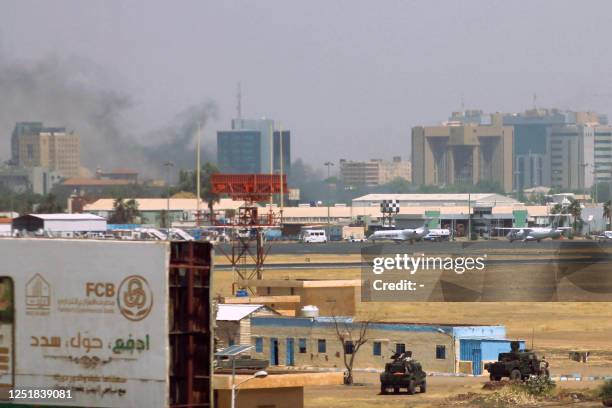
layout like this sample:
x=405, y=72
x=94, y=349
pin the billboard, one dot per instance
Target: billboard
x=86, y=317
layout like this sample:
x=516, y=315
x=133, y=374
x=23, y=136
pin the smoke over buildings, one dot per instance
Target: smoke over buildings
x=76, y=94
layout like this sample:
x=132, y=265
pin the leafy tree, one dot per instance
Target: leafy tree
x=49, y=205
x=124, y=212
x=187, y=183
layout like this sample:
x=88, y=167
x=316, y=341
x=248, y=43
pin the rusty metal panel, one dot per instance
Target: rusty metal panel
x=191, y=340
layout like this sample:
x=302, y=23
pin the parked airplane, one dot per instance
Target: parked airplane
x=536, y=233
x=605, y=236
x=409, y=234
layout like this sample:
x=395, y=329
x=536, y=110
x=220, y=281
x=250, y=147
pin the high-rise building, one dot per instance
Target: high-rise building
x=455, y=153
x=55, y=149
x=531, y=129
x=253, y=146
x=374, y=172
x=603, y=154
x=570, y=162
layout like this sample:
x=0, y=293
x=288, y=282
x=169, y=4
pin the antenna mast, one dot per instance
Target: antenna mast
x=239, y=102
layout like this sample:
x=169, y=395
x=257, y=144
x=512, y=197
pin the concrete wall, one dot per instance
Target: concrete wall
x=421, y=343
x=338, y=301
x=292, y=397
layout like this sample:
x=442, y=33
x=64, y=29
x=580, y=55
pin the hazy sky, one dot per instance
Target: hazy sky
x=349, y=78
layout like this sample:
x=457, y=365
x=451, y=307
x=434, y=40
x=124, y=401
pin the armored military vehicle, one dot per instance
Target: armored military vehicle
x=517, y=365
x=403, y=372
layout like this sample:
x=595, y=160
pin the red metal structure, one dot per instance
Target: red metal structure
x=246, y=258
x=250, y=188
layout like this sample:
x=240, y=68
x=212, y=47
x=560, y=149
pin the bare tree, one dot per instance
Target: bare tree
x=352, y=336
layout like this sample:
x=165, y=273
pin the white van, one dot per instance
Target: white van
x=314, y=236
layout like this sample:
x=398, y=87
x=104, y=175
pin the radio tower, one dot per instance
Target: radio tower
x=239, y=102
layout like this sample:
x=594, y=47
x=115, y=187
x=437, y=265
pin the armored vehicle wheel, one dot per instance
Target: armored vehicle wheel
x=383, y=389
x=396, y=390
x=411, y=387
x=423, y=387
x=515, y=375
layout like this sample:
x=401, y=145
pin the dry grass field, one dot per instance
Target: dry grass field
x=556, y=328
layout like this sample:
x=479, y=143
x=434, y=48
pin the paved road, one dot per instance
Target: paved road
x=294, y=248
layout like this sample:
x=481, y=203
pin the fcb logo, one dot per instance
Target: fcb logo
x=135, y=298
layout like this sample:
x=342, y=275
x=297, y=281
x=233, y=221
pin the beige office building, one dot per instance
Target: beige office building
x=570, y=160
x=463, y=154
x=603, y=154
x=374, y=172
x=52, y=149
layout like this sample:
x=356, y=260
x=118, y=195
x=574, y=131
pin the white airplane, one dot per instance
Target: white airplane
x=605, y=236
x=535, y=233
x=397, y=236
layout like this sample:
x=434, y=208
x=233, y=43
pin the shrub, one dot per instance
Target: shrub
x=539, y=385
x=605, y=391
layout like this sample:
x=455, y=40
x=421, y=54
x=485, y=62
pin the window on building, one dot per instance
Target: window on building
x=377, y=348
x=322, y=347
x=441, y=352
x=302, y=345
x=400, y=348
x=258, y=345
x=349, y=347
x=231, y=342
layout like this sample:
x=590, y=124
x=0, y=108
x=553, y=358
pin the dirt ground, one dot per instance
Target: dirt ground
x=555, y=329
x=441, y=392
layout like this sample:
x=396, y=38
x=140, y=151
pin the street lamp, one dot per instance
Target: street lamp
x=328, y=164
x=168, y=165
x=258, y=374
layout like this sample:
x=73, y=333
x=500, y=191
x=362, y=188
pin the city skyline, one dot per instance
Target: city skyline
x=341, y=72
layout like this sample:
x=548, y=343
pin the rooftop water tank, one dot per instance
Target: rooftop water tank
x=309, y=311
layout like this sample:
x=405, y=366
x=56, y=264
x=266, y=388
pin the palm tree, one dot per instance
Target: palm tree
x=208, y=169
x=607, y=212
x=575, y=211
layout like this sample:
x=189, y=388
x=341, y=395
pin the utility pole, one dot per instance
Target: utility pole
x=328, y=164
x=198, y=181
x=280, y=143
x=168, y=165
x=469, y=234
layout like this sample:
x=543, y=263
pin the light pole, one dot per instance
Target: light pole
x=258, y=374
x=168, y=165
x=328, y=164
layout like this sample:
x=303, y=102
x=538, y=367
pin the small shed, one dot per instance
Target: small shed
x=60, y=223
x=476, y=352
x=234, y=322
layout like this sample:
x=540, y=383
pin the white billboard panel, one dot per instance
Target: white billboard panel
x=90, y=317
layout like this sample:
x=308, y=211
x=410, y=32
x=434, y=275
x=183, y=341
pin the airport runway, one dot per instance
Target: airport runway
x=340, y=247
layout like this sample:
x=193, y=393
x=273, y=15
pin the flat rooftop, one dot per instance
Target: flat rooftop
x=278, y=380
x=299, y=283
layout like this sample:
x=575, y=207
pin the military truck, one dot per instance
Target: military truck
x=403, y=372
x=517, y=365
